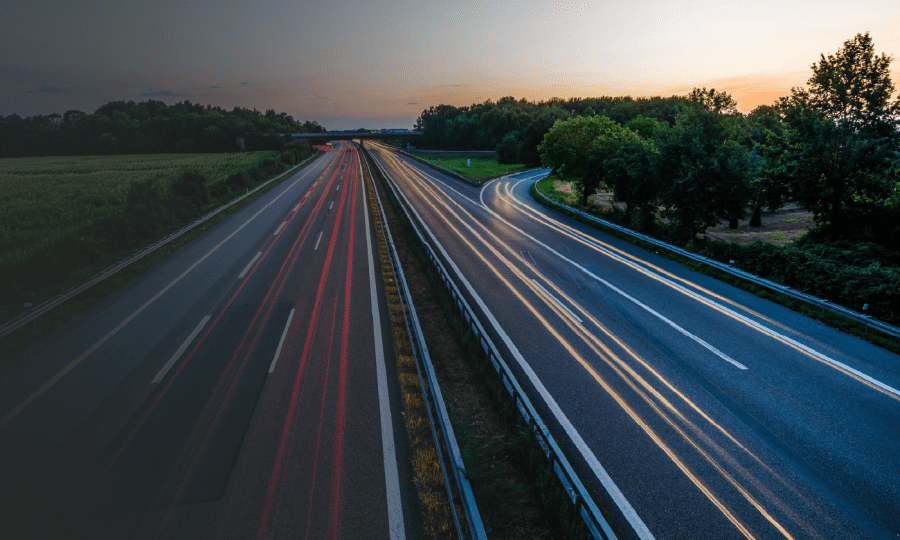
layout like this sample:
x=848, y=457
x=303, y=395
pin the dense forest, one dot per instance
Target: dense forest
x=515, y=128
x=149, y=127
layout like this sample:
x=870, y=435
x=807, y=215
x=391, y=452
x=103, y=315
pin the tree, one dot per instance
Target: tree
x=840, y=176
x=852, y=86
x=842, y=138
x=509, y=149
x=718, y=102
x=704, y=172
x=646, y=127
x=623, y=160
x=566, y=147
x=533, y=134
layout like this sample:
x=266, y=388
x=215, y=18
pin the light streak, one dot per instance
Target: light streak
x=804, y=349
x=593, y=343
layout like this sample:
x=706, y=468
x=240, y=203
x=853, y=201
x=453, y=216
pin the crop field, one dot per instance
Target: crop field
x=51, y=208
x=484, y=166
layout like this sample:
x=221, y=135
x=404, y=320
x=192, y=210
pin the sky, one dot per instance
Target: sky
x=380, y=64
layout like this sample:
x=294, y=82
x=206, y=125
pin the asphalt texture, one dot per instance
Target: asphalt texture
x=231, y=391
x=690, y=408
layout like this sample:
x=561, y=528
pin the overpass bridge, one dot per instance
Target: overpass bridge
x=393, y=134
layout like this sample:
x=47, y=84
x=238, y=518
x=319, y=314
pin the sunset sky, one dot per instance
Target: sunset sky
x=379, y=64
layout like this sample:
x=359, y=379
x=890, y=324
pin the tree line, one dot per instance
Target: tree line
x=149, y=127
x=515, y=128
x=831, y=148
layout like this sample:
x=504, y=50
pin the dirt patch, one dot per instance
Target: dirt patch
x=780, y=227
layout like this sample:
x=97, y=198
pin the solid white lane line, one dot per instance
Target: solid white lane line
x=281, y=341
x=249, y=264
x=555, y=299
x=165, y=369
x=392, y=479
x=71, y=365
x=631, y=515
x=278, y=230
x=330, y=205
x=318, y=239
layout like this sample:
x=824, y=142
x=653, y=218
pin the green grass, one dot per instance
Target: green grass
x=51, y=208
x=484, y=166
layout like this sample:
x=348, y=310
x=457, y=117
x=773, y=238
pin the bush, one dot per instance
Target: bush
x=290, y=157
x=270, y=167
x=238, y=180
x=843, y=273
x=192, y=188
x=256, y=175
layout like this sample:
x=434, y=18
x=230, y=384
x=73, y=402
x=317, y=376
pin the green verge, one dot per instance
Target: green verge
x=28, y=334
x=484, y=166
x=854, y=328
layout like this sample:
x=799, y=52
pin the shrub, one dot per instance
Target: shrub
x=238, y=180
x=849, y=275
x=256, y=175
x=270, y=167
x=192, y=188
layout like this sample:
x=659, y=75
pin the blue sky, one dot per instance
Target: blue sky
x=379, y=64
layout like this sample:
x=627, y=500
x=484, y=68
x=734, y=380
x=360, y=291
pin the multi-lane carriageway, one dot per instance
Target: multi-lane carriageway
x=239, y=389
x=690, y=408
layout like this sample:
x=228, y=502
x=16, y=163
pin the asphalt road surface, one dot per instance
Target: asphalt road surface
x=238, y=389
x=690, y=408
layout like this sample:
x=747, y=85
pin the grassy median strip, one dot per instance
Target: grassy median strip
x=429, y=480
x=517, y=495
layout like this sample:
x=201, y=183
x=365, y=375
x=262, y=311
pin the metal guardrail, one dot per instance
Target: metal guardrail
x=467, y=498
x=558, y=463
x=58, y=300
x=771, y=285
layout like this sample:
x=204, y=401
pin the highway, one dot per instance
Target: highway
x=690, y=408
x=240, y=388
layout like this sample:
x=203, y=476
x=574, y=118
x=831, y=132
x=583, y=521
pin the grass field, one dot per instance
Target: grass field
x=484, y=166
x=50, y=208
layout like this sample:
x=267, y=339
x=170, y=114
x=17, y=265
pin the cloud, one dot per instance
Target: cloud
x=413, y=103
x=215, y=86
x=43, y=89
x=160, y=93
x=243, y=83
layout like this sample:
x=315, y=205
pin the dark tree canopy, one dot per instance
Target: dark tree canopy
x=838, y=153
x=718, y=102
x=148, y=127
x=515, y=128
x=853, y=85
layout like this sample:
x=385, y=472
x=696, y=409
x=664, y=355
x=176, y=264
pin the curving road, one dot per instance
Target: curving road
x=238, y=389
x=690, y=408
